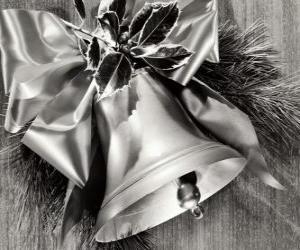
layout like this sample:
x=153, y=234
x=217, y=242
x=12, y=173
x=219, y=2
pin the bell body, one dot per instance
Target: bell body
x=148, y=142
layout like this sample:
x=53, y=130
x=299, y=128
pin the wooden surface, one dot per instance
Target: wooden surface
x=244, y=215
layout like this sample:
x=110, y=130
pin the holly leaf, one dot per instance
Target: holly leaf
x=114, y=72
x=109, y=22
x=79, y=5
x=93, y=54
x=160, y=23
x=139, y=20
x=83, y=46
x=163, y=57
x=117, y=6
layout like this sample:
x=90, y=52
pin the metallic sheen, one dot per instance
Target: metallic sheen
x=147, y=136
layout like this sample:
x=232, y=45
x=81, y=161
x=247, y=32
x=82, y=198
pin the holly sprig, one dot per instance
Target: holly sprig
x=115, y=48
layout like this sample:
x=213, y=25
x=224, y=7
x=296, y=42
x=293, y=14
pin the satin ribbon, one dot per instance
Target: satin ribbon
x=43, y=73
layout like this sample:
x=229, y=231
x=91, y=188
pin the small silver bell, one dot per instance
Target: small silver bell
x=188, y=195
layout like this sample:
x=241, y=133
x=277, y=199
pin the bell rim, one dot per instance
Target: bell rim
x=152, y=167
x=120, y=203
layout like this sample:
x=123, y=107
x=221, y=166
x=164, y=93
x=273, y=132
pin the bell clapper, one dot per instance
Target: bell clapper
x=188, y=194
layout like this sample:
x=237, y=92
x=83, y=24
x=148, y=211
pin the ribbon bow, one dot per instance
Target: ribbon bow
x=53, y=85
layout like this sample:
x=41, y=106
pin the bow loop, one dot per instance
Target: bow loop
x=39, y=56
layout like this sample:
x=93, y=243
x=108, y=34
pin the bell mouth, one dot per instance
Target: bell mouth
x=152, y=199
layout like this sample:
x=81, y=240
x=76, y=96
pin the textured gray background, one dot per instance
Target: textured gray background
x=246, y=214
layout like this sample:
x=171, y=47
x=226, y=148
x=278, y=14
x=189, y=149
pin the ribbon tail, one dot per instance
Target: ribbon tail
x=90, y=197
x=62, y=132
x=257, y=165
x=228, y=124
x=73, y=210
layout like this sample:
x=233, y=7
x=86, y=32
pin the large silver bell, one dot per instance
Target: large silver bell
x=149, y=142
